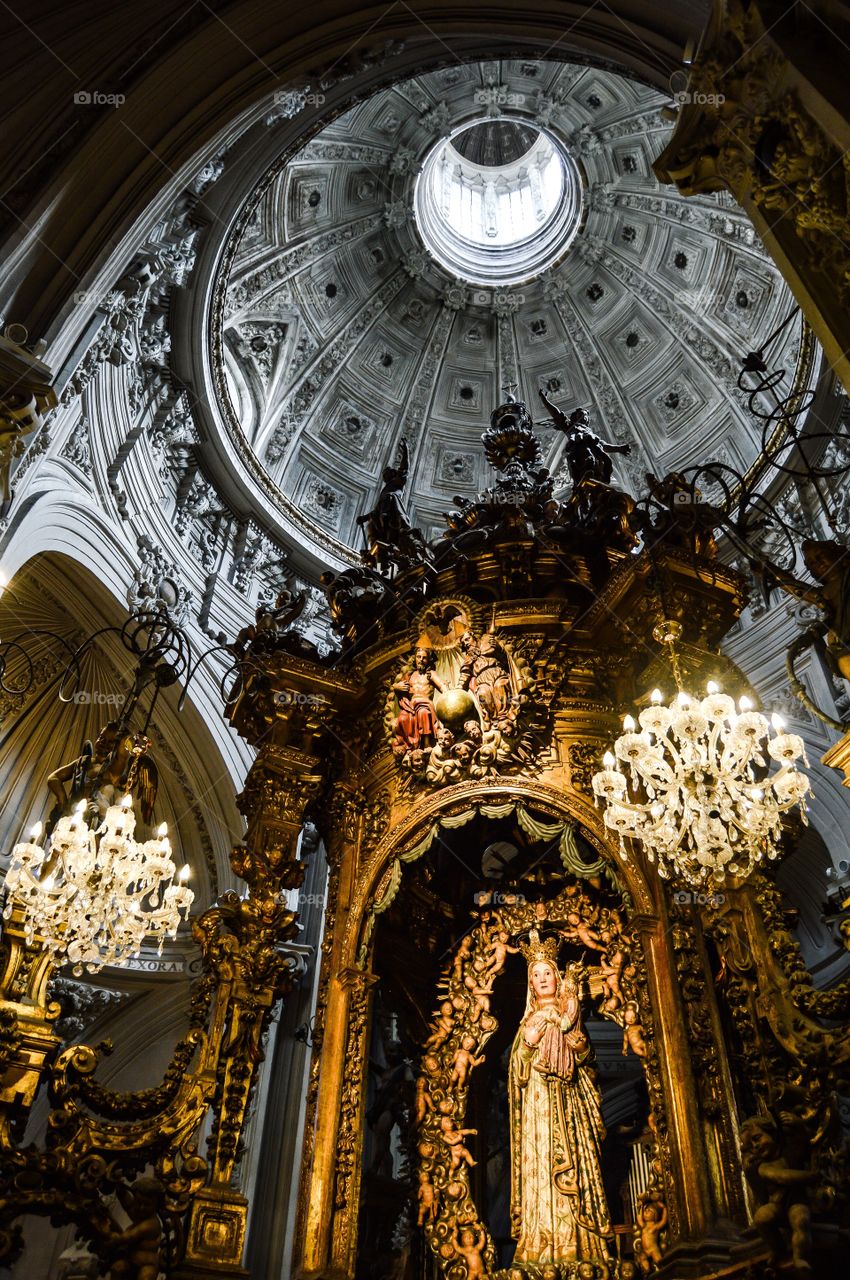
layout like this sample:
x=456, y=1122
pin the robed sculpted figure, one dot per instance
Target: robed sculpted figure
x=558, y=1207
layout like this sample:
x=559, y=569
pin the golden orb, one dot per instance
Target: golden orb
x=455, y=707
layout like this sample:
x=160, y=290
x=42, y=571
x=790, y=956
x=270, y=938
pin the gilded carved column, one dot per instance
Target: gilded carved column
x=331, y=1163
x=756, y=119
x=358, y=986
x=243, y=936
x=27, y=1039
x=685, y=1157
x=716, y=1097
x=687, y=1062
x=243, y=939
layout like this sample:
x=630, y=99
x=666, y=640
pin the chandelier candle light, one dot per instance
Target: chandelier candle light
x=95, y=895
x=694, y=785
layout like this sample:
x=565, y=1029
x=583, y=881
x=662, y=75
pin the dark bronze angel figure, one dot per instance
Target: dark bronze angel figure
x=117, y=762
x=392, y=543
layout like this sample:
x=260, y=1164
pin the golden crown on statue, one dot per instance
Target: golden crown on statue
x=537, y=948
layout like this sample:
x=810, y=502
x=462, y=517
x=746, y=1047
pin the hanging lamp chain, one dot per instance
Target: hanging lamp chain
x=668, y=632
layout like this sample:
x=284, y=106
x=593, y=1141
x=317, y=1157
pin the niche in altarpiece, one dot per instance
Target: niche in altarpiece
x=443, y=1152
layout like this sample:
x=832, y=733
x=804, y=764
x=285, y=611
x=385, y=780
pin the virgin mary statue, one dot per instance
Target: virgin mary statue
x=558, y=1208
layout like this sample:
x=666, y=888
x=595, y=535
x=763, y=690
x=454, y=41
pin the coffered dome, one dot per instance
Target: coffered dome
x=480, y=226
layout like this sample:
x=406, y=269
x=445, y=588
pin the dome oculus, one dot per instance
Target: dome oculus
x=498, y=202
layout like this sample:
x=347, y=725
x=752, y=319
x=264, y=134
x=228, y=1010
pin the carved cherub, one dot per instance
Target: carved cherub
x=442, y=766
x=580, y=931
x=424, y=1102
x=427, y=1196
x=612, y=967
x=500, y=949
x=469, y=1240
x=135, y=1249
x=481, y=995
x=651, y=1221
x=416, y=760
x=632, y=1030
x=464, y=1060
x=443, y=1027
x=464, y=951
x=489, y=753
x=773, y=1153
x=453, y=1138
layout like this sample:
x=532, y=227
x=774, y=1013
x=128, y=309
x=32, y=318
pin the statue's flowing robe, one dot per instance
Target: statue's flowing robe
x=558, y=1207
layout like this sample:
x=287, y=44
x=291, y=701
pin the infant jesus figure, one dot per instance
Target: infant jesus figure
x=564, y=1043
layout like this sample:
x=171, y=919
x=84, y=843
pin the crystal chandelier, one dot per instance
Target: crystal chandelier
x=694, y=783
x=95, y=895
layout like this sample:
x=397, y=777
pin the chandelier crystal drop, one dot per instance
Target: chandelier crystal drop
x=694, y=785
x=95, y=895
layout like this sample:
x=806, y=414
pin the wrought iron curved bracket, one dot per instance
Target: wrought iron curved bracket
x=811, y=638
